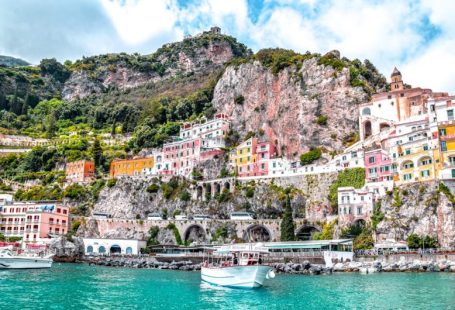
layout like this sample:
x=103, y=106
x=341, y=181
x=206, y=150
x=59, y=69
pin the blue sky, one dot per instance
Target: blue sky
x=416, y=36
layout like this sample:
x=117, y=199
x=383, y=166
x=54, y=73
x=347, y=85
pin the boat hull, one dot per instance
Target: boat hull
x=25, y=263
x=238, y=276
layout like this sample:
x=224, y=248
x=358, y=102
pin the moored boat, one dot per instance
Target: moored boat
x=235, y=266
x=10, y=261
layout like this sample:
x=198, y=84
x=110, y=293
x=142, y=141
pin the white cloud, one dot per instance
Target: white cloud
x=137, y=21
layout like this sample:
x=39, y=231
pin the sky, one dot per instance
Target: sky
x=418, y=37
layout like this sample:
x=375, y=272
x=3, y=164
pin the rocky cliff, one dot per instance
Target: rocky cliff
x=420, y=209
x=287, y=107
x=193, y=56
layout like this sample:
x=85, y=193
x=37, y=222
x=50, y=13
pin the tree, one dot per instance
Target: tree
x=97, y=153
x=310, y=156
x=51, y=127
x=287, y=223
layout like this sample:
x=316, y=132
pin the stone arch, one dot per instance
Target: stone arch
x=306, y=232
x=257, y=233
x=199, y=191
x=366, y=111
x=102, y=250
x=208, y=189
x=195, y=233
x=217, y=187
x=424, y=160
x=384, y=126
x=115, y=249
x=367, y=129
x=227, y=185
x=90, y=249
x=129, y=250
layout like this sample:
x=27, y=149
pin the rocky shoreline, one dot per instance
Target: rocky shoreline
x=286, y=268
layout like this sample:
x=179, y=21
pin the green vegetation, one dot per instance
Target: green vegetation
x=225, y=196
x=446, y=191
x=111, y=182
x=397, y=202
x=75, y=192
x=310, y=156
x=327, y=231
x=377, y=216
x=178, y=238
x=39, y=192
x=239, y=100
x=75, y=226
x=322, y=120
x=185, y=195
x=221, y=232
x=277, y=59
x=287, y=223
x=415, y=241
x=354, y=177
x=153, y=188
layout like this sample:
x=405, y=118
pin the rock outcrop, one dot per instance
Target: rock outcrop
x=418, y=209
x=286, y=106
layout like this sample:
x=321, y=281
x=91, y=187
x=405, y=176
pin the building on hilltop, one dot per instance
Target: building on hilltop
x=81, y=171
x=398, y=105
x=34, y=221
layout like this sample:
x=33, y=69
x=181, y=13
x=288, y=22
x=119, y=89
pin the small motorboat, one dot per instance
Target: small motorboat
x=8, y=260
x=240, y=266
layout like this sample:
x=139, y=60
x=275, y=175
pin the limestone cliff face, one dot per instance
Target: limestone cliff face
x=129, y=199
x=423, y=211
x=168, y=62
x=286, y=106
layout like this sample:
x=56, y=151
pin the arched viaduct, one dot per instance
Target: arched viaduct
x=248, y=230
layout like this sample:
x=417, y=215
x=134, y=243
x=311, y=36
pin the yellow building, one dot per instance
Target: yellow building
x=244, y=156
x=131, y=167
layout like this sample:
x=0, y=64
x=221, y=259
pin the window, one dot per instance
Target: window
x=262, y=166
x=432, y=107
x=453, y=173
x=371, y=160
x=425, y=173
x=425, y=147
x=354, y=154
x=444, y=146
x=408, y=165
x=359, y=210
x=450, y=115
x=407, y=176
x=407, y=151
x=452, y=160
x=442, y=132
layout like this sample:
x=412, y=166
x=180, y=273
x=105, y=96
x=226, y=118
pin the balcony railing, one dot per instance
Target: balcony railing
x=447, y=137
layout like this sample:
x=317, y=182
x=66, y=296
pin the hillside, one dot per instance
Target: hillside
x=9, y=61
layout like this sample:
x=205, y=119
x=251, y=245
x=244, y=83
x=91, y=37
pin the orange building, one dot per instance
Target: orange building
x=80, y=171
x=134, y=166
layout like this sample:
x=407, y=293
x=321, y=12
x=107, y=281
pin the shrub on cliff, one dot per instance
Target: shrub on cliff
x=185, y=195
x=287, y=223
x=111, y=182
x=177, y=236
x=153, y=188
x=327, y=231
x=415, y=242
x=322, y=120
x=239, y=100
x=75, y=191
x=277, y=59
x=354, y=177
x=310, y=156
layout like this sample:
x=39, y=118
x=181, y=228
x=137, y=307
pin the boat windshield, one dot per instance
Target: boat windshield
x=231, y=259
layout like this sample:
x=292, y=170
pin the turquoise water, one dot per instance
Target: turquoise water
x=72, y=286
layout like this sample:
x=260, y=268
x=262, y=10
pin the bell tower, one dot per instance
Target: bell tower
x=397, y=81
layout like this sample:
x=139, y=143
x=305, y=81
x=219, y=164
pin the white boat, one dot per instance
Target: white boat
x=235, y=266
x=10, y=261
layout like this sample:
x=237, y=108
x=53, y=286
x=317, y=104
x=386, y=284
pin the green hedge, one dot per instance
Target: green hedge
x=354, y=177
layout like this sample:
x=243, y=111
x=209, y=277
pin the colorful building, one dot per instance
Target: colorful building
x=130, y=167
x=33, y=221
x=81, y=171
x=378, y=166
x=253, y=158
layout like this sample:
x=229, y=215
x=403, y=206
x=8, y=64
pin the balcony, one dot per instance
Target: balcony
x=447, y=138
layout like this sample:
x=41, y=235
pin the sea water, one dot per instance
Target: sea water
x=79, y=286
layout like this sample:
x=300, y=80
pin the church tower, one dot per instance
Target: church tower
x=397, y=82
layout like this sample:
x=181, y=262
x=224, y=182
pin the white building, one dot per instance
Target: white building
x=97, y=246
x=354, y=205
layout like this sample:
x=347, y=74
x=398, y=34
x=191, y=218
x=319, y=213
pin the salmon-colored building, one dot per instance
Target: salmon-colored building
x=80, y=171
x=34, y=221
x=131, y=167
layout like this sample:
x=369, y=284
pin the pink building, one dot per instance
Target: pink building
x=378, y=166
x=259, y=162
x=34, y=221
x=181, y=156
